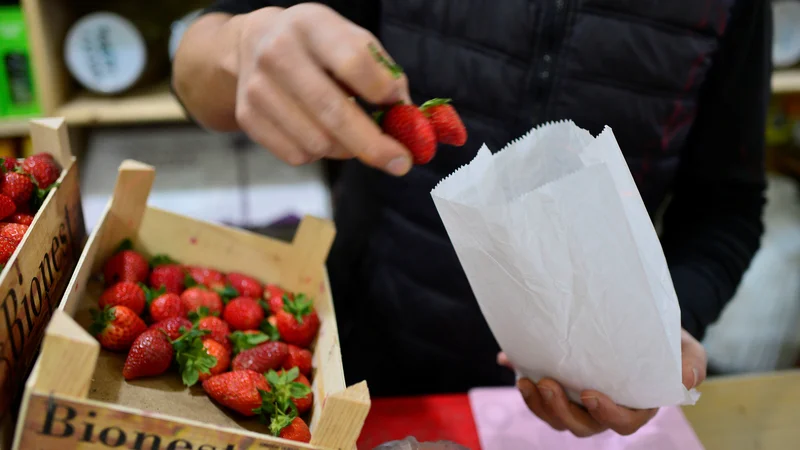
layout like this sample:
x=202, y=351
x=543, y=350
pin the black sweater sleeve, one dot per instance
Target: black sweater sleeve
x=713, y=226
x=362, y=12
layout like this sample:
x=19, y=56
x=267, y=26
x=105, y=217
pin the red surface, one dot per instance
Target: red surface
x=428, y=418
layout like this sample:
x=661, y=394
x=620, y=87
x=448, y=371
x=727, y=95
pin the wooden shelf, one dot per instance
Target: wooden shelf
x=152, y=104
x=786, y=81
x=13, y=127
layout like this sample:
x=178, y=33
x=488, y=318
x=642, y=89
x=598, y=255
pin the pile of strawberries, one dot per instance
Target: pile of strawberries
x=23, y=188
x=246, y=342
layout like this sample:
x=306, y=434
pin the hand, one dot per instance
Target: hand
x=549, y=401
x=296, y=68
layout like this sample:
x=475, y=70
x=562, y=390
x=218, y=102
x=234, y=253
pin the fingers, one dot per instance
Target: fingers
x=533, y=398
x=622, y=420
x=502, y=360
x=575, y=418
x=695, y=360
x=343, y=119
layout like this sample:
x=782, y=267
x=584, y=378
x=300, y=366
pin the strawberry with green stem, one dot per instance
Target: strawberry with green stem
x=240, y=391
x=268, y=327
x=261, y=358
x=192, y=357
x=245, y=285
x=217, y=329
x=174, y=327
x=279, y=404
x=116, y=327
x=167, y=273
x=298, y=322
x=197, y=297
x=243, y=313
x=125, y=264
x=245, y=340
x=446, y=122
x=150, y=355
x=164, y=305
x=299, y=358
x=125, y=293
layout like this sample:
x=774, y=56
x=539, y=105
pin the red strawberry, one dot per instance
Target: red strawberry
x=18, y=187
x=246, y=286
x=165, y=306
x=243, y=313
x=150, y=355
x=10, y=164
x=273, y=290
x=239, y=391
x=298, y=357
x=285, y=384
x=222, y=355
x=21, y=218
x=125, y=265
x=7, y=206
x=124, y=293
x=116, y=327
x=198, y=297
x=174, y=327
x=274, y=297
x=7, y=249
x=295, y=430
x=14, y=232
x=217, y=329
x=409, y=126
x=245, y=340
x=43, y=168
x=168, y=276
x=210, y=278
x=303, y=404
x=267, y=356
x=446, y=122
x=193, y=357
x=298, y=323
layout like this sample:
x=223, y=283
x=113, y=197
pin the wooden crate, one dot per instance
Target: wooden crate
x=76, y=396
x=34, y=280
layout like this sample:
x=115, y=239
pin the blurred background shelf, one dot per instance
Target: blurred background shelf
x=786, y=81
x=151, y=104
x=13, y=127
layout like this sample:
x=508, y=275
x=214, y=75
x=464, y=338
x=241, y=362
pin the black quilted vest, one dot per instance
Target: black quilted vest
x=409, y=322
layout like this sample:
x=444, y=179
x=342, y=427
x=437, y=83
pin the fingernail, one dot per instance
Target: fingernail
x=696, y=376
x=399, y=166
x=524, y=389
x=547, y=394
x=589, y=402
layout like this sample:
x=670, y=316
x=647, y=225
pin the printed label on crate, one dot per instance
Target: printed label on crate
x=34, y=285
x=53, y=422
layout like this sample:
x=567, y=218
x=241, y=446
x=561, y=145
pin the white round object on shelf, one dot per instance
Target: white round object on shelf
x=178, y=28
x=786, y=42
x=105, y=52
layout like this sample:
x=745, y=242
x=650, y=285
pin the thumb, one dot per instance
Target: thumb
x=502, y=360
x=695, y=361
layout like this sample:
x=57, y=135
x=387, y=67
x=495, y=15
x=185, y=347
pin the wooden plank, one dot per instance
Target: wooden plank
x=342, y=418
x=751, y=412
x=68, y=358
x=11, y=127
x=55, y=422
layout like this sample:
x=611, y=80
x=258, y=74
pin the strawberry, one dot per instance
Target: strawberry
x=7, y=249
x=124, y=293
x=18, y=187
x=446, y=122
x=245, y=340
x=268, y=327
x=165, y=306
x=240, y=391
x=246, y=286
x=286, y=384
x=125, y=265
x=43, y=168
x=116, y=327
x=409, y=126
x=296, y=430
x=7, y=206
x=14, y=232
x=298, y=357
x=273, y=290
x=266, y=356
x=274, y=297
x=280, y=402
x=297, y=323
x=222, y=355
x=9, y=164
x=198, y=297
x=217, y=329
x=210, y=278
x=174, y=327
x=243, y=313
x=21, y=218
x=150, y=355
x=192, y=356
x=167, y=274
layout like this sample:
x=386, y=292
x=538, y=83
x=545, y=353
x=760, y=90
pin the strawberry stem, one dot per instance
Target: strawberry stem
x=245, y=341
x=161, y=260
x=434, y=102
x=192, y=357
x=298, y=307
x=125, y=244
x=392, y=66
x=101, y=319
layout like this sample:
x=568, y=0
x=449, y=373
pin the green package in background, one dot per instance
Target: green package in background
x=17, y=88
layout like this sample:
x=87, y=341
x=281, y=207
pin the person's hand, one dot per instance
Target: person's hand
x=296, y=70
x=549, y=401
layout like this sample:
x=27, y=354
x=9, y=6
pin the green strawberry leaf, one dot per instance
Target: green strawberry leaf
x=298, y=390
x=244, y=341
x=125, y=244
x=227, y=293
x=291, y=374
x=160, y=260
x=192, y=357
x=152, y=294
x=273, y=378
x=201, y=312
x=189, y=281
x=298, y=307
x=392, y=66
x=270, y=330
x=434, y=102
x=377, y=116
x=39, y=195
x=101, y=319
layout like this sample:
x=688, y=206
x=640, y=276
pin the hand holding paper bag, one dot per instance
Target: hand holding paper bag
x=566, y=266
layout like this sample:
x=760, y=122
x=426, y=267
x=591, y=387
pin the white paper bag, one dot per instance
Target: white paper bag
x=566, y=265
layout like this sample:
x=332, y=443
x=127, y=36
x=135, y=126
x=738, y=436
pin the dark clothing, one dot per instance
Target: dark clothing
x=684, y=84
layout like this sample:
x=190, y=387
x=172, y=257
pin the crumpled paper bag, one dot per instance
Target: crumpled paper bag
x=566, y=266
